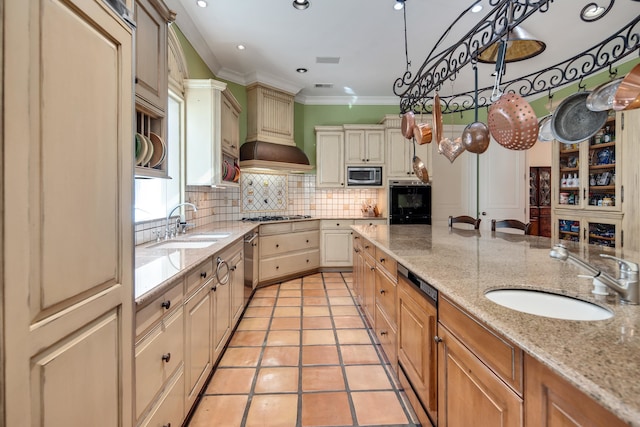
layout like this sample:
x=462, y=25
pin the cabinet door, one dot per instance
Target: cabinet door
x=198, y=320
x=230, y=125
x=151, y=55
x=374, y=146
x=67, y=175
x=399, y=154
x=222, y=316
x=237, y=286
x=335, y=248
x=553, y=402
x=330, y=159
x=369, y=288
x=417, y=320
x=629, y=129
x=354, y=146
x=469, y=393
x=358, y=263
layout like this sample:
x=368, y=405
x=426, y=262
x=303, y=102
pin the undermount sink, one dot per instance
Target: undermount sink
x=205, y=236
x=548, y=304
x=182, y=244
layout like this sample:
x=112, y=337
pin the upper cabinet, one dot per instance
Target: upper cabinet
x=151, y=87
x=400, y=150
x=329, y=157
x=364, y=144
x=272, y=118
x=212, y=134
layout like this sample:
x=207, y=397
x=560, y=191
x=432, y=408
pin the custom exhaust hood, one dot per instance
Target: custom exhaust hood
x=270, y=143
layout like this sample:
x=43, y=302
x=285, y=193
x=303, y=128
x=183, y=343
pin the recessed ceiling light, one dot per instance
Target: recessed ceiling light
x=241, y=47
x=301, y=70
x=201, y=3
x=476, y=8
x=399, y=5
x=301, y=4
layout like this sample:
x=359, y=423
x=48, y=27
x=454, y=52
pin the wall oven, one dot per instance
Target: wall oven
x=409, y=202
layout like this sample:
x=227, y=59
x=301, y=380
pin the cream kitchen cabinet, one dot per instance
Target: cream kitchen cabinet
x=158, y=356
x=629, y=137
x=364, y=144
x=211, y=147
x=604, y=229
x=288, y=249
x=336, y=243
x=221, y=288
x=330, y=167
x=67, y=306
x=236, y=265
x=272, y=118
x=400, y=155
x=198, y=312
x=479, y=372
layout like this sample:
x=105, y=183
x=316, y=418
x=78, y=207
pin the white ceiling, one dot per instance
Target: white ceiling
x=368, y=37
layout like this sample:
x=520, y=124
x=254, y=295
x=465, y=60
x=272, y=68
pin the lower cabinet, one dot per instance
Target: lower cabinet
x=198, y=320
x=335, y=243
x=221, y=287
x=369, y=287
x=551, y=401
x=417, y=351
x=287, y=249
x=169, y=411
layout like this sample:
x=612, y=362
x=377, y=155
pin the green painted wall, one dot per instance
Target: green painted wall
x=306, y=117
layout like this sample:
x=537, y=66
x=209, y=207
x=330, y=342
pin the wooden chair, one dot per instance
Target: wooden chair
x=511, y=223
x=464, y=219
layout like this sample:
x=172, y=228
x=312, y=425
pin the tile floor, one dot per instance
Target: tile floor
x=301, y=356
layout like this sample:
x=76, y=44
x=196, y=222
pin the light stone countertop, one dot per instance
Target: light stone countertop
x=601, y=358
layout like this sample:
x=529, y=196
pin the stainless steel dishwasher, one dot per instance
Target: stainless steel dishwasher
x=251, y=247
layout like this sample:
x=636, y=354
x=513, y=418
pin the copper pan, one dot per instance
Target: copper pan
x=513, y=123
x=437, y=118
x=628, y=94
x=408, y=122
x=422, y=133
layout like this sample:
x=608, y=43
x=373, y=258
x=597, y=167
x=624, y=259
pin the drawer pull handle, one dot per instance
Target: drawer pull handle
x=356, y=237
x=307, y=261
x=338, y=225
x=381, y=259
x=372, y=268
x=277, y=245
x=366, y=246
x=437, y=339
x=214, y=288
x=166, y=425
x=203, y=274
x=166, y=304
x=233, y=268
x=166, y=357
x=382, y=292
x=277, y=267
x=356, y=250
x=383, y=333
x=307, y=240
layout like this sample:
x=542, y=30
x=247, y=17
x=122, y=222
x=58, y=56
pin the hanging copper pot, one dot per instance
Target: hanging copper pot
x=408, y=122
x=437, y=118
x=513, y=123
x=422, y=133
x=476, y=137
x=628, y=94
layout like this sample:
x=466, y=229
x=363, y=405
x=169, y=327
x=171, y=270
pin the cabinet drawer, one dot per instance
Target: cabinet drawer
x=387, y=263
x=370, y=221
x=499, y=354
x=169, y=410
x=386, y=295
x=386, y=334
x=289, y=264
x=158, y=355
x=281, y=244
x=369, y=248
x=305, y=225
x=357, y=241
x=336, y=224
x=278, y=228
x=164, y=304
x=199, y=276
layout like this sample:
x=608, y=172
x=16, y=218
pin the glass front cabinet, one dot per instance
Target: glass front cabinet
x=586, y=186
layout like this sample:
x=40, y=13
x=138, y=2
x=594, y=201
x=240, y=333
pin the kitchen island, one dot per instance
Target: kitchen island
x=600, y=358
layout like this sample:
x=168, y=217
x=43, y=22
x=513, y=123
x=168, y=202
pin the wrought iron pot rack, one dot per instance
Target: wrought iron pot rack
x=416, y=92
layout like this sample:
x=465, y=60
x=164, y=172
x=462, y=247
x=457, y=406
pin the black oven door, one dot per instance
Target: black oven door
x=410, y=204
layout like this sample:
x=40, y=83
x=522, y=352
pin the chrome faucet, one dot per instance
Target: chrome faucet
x=626, y=285
x=167, y=232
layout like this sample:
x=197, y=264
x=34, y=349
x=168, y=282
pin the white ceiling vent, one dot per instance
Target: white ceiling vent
x=327, y=59
x=324, y=85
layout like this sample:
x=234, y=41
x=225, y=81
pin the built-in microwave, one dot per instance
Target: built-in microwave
x=369, y=176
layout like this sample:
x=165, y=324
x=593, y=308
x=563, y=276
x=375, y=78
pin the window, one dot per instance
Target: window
x=154, y=197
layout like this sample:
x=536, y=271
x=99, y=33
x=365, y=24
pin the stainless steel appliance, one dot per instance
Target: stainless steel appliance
x=364, y=176
x=250, y=263
x=409, y=202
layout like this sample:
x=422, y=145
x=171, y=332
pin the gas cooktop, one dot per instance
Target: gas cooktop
x=267, y=218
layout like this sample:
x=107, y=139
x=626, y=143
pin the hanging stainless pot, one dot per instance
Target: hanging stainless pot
x=545, y=133
x=476, y=137
x=603, y=96
x=573, y=122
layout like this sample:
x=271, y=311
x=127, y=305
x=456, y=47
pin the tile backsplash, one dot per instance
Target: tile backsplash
x=283, y=194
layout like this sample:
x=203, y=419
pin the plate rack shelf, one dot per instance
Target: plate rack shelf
x=147, y=123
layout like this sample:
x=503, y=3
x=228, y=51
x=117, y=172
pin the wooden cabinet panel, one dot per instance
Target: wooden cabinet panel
x=629, y=129
x=387, y=263
x=335, y=248
x=369, y=288
x=385, y=292
x=269, y=115
x=169, y=410
x=230, y=124
x=330, y=158
x=502, y=356
x=199, y=276
x=386, y=335
x=150, y=314
x=281, y=244
x=469, y=393
x=364, y=146
x=417, y=354
x=552, y=402
x=222, y=317
x=157, y=356
x=236, y=265
x=289, y=264
x=198, y=321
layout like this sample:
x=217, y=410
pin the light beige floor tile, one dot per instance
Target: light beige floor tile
x=361, y=354
x=316, y=322
x=258, y=312
x=262, y=302
x=348, y=322
x=241, y=356
x=341, y=301
x=320, y=355
x=254, y=324
x=322, y=378
x=286, y=312
x=219, y=411
x=281, y=323
x=231, y=381
x=290, y=293
x=353, y=336
x=289, y=302
x=318, y=337
x=344, y=310
x=367, y=377
x=315, y=311
x=281, y=356
x=247, y=339
x=270, y=291
x=277, y=380
x=277, y=338
x=315, y=301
